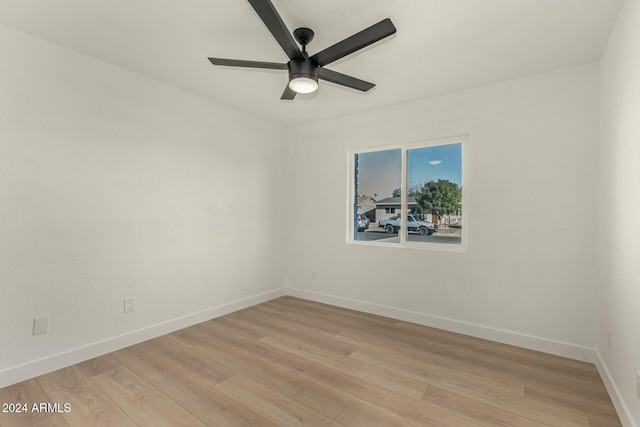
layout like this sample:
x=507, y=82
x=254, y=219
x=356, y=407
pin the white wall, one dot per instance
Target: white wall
x=113, y=185
x=620, y=208
x=527, y=278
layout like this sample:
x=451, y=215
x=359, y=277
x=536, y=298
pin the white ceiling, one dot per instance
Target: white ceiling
x=440, y=46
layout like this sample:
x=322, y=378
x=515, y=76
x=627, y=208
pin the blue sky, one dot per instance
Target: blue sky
x=379, y=172
x=449, y=168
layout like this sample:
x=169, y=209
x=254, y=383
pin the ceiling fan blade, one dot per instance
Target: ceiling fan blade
x=288, y=93
x=273, y=21
x=356, y=42
x=344, y=80
x=248, y=64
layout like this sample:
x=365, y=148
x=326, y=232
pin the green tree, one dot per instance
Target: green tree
x=442, y=197
x=413, y=192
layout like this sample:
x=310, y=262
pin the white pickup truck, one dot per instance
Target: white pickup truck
x=415, y=224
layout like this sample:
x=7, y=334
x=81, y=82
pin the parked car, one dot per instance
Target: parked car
x=362, y=222
x=414, y=223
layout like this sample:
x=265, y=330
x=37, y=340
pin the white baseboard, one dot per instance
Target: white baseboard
x=614, y=393
x=545, y=345
x=51, y=363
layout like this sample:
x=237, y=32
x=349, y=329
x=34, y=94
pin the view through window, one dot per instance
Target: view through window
x=428, y=211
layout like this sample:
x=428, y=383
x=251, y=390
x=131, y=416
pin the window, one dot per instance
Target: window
x=417, y=195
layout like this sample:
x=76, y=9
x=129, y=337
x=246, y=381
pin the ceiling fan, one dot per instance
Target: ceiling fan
x=305, y=70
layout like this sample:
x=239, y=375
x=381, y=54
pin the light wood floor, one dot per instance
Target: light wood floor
x=290, y=362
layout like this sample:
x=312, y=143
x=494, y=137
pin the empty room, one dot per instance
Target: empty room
x=336, y=213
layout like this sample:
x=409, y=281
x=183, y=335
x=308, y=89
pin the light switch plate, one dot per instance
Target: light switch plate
x=129, y=305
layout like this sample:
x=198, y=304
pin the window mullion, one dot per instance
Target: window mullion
x=402, y=233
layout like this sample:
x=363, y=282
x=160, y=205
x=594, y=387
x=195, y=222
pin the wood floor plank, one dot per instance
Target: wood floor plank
x=340, y=316
x=311, y=352
x=530, y=355
x=146, y=405
x=89, y=405
x=473, y=410
x=196, y=396
x=217, y=346
x=400, y=407
x=428, y=341
x=153, y=369
x=502, y=393
x=54, y=421
x=284, y=380
x=596, y=422
x=270, y=367
x=298, y=333
x=195, y=364
x=304, y=320
x=358, y=415
x=23, y=396
x=273, y=406
x=439, y=334
x=418, y=357
x=249, y=331
x=512, y=364
x=331, y=310
x=321, y=399
x=448, y=380
x=380, y=376
x=527, y=365
x=595, y=408
x=98, y=365
x=577, y=388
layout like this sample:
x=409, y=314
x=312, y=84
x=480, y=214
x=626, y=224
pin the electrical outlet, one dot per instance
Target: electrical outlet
x=314, y=275
x=129, y=305
x=40, y=325
x=609, y=344
x=638, y=384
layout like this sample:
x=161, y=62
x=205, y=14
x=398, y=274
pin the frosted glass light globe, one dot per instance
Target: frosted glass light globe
x=303, y=85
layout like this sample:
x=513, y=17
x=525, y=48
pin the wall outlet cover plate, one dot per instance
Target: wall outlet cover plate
x=40, y=325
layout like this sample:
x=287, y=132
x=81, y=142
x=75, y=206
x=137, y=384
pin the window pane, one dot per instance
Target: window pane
x=377, y=183
x=434, y=196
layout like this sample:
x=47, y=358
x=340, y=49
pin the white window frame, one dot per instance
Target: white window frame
x=402, y=234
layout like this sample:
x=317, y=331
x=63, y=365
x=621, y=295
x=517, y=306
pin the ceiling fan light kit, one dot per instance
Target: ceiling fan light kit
x=303, y=75
x=305, y=70
x=303, y=85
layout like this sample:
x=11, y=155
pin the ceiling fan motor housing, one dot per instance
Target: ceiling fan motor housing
x=303, y=68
